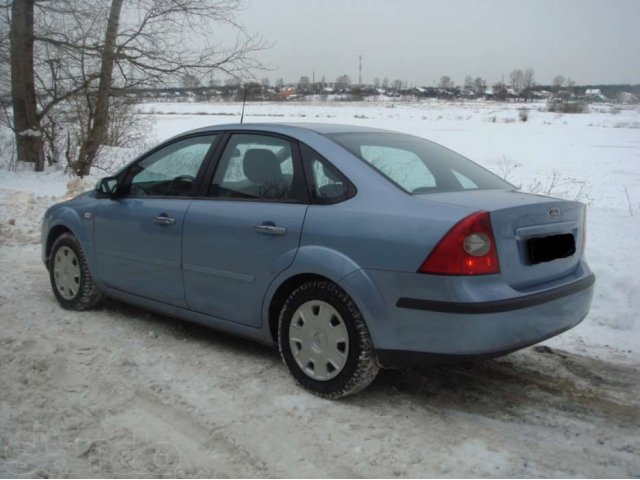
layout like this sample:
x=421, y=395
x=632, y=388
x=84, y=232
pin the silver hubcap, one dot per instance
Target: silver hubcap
x=319, y=340
x=66, y=271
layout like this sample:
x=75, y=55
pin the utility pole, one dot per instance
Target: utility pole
x=360, y=70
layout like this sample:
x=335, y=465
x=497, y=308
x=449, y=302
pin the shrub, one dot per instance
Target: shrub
x=558, y=185
x=572, y=106
x=523, y=114
x=506, y=167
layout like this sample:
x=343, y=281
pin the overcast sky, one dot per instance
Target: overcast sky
x=591, y=41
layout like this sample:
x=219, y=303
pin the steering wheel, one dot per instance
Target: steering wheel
x=180, y=178
x=187, y=178
x=183, y=178
x=137, y=191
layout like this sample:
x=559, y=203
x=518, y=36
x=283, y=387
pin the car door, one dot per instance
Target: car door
x=248, y=228
x=138, y=235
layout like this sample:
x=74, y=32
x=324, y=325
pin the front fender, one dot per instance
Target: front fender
x=73, y=220
x=341, y=270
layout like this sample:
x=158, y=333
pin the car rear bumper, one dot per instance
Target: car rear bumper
x=498, y=306
x=419, y=330
x=410, y=358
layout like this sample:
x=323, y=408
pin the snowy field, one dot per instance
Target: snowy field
x=122, y=392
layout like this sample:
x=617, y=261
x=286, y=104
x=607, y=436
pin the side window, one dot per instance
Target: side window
x=172, y=170
x=402, y=166
x=255, y=167
x=328, y=185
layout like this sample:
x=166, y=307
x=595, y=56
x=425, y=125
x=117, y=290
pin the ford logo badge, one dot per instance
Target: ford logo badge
x=554, y=212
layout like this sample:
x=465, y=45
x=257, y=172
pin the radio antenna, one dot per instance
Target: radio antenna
x=244, y=100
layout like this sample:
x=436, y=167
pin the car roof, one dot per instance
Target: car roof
x=291, y=128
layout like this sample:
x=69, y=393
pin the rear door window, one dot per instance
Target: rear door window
x=327, y=183
x=256, y=167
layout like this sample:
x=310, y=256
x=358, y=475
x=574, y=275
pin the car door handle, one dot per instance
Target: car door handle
x=164, y=220
x=270, y=229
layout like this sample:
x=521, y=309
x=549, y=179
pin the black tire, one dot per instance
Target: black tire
x=87, y=295
x=361, y=366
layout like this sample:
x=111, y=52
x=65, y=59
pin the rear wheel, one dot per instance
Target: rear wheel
x=70, y=277
x=324, y=341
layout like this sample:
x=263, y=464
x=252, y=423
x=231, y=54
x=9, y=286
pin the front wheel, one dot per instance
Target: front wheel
x=324, y=341
x=70, y=276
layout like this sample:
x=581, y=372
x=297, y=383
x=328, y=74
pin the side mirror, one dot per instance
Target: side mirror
x=107, y=187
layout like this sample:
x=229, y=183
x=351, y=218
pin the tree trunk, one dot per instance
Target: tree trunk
x=26, y=123
x=98, y=130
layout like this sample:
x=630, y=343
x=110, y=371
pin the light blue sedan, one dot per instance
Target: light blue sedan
x=349, y=248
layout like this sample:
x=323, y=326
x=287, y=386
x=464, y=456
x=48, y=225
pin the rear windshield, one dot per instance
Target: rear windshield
x=417, y=165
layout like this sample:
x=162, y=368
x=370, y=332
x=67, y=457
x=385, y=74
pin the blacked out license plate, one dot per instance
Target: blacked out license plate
x=546, y=249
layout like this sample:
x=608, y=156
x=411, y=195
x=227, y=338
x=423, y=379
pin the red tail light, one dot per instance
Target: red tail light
x=469, y=248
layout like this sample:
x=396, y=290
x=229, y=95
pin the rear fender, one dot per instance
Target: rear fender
x=341, y=270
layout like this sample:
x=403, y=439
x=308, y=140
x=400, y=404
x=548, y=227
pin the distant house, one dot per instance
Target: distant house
x=446, y=92
x=595, y=95
x=287, y=93
x=564, y=95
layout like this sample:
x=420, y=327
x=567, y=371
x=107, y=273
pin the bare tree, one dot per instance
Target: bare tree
x=397, y=84
x=558, y=82
x=26, y=125
x=154, y=43
x=5, y=45
x=468, y=82
x=343, y=81
x=98, y=130
x=303, y=83
x=499, y=91
x=529, y=79
x=521, y=81
x=517, y=80
x=480, y=85
x=151, y=47
x=78, y=61
x=445, y=82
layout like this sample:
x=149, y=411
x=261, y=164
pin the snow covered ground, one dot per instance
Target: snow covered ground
x=119, y=391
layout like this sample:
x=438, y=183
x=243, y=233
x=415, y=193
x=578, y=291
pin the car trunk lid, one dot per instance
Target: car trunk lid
x=539, y=239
